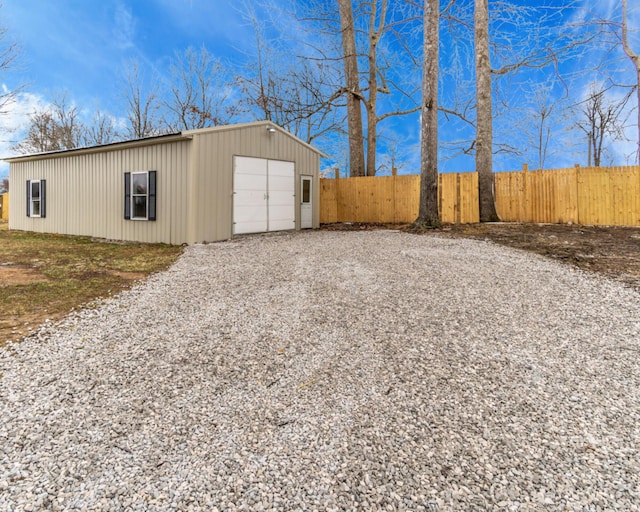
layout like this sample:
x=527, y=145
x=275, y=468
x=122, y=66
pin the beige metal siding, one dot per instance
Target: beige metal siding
x=85, y=188
x=85, y=193
x=214, y=152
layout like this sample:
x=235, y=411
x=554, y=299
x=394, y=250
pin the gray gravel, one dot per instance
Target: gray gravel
x=333, y=371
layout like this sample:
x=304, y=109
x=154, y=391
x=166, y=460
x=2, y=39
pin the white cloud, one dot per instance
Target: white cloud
x=14, y=122
x=125, y=27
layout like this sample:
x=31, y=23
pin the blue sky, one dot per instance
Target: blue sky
x=83, y=47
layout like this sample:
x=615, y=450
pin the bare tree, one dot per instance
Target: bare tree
x=536, y=38
x=295, y=97
x=380, y=21
x=379, y=68
x=428, y=211
x=9, y=52
x=376, y=29
x=199, y=92
x=352, y=91
x=600, y=119
x=100, y=130
x=68, y=120
x=4, y=185
x=541, y=120
x=635, y=59
x=484, y=114
x=297, y=92
x=142, y=105
x=54, y=128
x=42, y=134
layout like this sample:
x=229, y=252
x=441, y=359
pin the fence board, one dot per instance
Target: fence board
x=468, y=198
x=395, y=199
x=328, y=201
x=596, y=195
x=407, y=198
x=448, y=205
x=4, y=206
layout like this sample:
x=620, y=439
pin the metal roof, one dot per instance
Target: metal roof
x=156, y=139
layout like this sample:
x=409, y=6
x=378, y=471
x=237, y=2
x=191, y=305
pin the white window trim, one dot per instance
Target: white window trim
x=31, y=200
x=133, y=173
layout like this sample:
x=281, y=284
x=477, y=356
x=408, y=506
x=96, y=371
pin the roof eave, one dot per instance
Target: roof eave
x=113, y=146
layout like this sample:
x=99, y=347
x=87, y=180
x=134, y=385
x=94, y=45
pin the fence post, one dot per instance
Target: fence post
x=458, y=205
x=394, y=174
x=339, y=208
x=525, y=192
x=578, y=190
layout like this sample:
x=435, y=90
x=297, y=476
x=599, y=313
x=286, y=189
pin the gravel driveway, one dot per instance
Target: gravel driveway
x=333, y=371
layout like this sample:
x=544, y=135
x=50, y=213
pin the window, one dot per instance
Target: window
x=36, y=194
x=140, y=195
x=306, y=190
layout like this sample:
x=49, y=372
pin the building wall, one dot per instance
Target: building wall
x=85, y=193
x=85, y=189
x=213, y=152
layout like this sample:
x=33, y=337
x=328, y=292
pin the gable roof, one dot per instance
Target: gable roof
x=266, y=124
x=156, y=139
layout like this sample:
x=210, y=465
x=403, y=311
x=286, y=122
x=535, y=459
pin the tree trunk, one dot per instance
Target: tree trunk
x=635, y=58
x=637, y=63
x=428, y=212
x=372, y=122
x=484, y=115
x=372, y=103
x=352, y=79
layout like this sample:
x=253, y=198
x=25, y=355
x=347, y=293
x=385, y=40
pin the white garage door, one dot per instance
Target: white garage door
x=263, y=195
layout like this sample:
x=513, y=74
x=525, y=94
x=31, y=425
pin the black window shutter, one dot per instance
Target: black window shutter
x=127, y=195
x=43, y=198
x=152, y=194
x=28, y=198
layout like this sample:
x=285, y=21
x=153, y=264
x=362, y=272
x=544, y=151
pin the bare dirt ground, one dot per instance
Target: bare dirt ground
x=43, y=277
x=612, y=251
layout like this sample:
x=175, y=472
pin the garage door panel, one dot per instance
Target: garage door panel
x=250, y=182
x=252, y=220
x=249, y=165
x=245, y=228
x=263, y=197
x=249, y=195
x=283, y=225
x=251, y=198
x=278, y=168
x=279, y=183
x=280, y=217
x=281, y=195
x=281, y=199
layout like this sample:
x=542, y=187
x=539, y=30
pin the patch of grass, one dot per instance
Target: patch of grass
x=44, y=276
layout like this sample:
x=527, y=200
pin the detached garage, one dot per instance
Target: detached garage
x=195, y=186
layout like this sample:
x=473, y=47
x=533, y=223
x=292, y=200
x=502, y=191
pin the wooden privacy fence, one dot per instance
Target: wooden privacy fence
x=582, y=195
x=4, y=206
x=395, y=199
x=607, y=196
